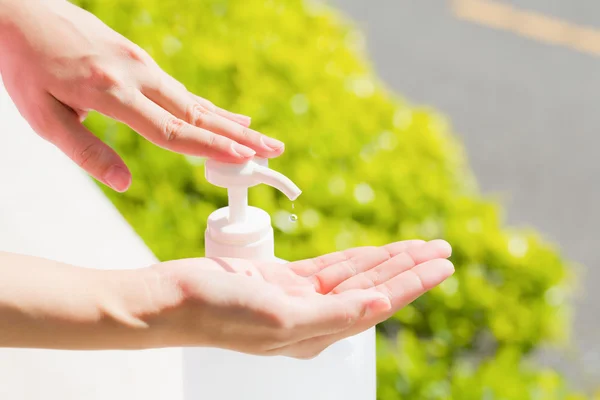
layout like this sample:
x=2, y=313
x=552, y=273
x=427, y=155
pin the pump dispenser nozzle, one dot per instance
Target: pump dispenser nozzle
x=240, y=229
x=237, y=178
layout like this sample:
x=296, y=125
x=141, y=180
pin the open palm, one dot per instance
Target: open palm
x=300, y=308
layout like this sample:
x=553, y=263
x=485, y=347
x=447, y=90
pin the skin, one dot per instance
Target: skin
x=59, y=61
x=296, y=310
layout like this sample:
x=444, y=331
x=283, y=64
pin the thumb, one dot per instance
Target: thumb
x=333, y=313
x=64, y=130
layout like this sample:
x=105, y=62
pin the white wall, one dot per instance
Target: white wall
x=49, y=208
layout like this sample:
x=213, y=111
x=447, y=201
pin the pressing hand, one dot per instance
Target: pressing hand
x=58, y=61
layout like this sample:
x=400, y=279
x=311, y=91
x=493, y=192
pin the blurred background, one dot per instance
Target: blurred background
x=520, y=81
x=469, y=120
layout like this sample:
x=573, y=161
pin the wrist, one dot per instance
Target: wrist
x=139, y=309
x=46, y=304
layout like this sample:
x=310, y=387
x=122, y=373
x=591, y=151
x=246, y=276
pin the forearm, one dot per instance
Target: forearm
x=45, y=304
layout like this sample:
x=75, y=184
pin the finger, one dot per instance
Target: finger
x=322, y=315
x=407, y=286
x=85, y=149
x=429, y=274
x=243, y=120
x=239, y=118
x=395, y=266
x=404, y=288
x=81, y=114
x=330, y=277
x=167, y=131
x=312, y=266
x=178, y=101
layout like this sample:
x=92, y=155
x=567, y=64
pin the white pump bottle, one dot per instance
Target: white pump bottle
x=344, y=371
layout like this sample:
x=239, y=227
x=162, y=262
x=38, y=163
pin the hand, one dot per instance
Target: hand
x=296, y=309
x=59, y=61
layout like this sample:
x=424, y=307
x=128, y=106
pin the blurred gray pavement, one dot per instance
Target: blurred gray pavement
x=528, y=113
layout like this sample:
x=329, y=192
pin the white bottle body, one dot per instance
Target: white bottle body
x=346, y=370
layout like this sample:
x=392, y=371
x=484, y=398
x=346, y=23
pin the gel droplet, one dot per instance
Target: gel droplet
x=293, y=217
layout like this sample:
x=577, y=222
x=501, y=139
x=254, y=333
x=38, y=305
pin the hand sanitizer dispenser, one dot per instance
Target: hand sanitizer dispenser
x=344, y=371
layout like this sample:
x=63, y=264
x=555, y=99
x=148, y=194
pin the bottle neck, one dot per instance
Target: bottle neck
x=262, y=250
x=250, y=239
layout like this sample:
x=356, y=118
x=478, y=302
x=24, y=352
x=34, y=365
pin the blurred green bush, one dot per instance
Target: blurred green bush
x=373, y=168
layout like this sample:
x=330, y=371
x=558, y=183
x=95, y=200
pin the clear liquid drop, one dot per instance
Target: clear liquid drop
x=293, y=217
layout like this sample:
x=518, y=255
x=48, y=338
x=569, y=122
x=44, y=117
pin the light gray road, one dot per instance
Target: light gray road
x=529, y=115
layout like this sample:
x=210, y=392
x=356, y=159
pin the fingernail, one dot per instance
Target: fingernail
x=443, y=246
x=242, y=151
x=118, y=178
x=378, y=306
x=243, y=119
x=271, y=143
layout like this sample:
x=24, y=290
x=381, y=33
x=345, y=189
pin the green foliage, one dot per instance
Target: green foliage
x=373, y=168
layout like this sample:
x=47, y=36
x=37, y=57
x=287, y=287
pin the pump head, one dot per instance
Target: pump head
x=249, y=174
x=237, y=178
x=240, y=230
